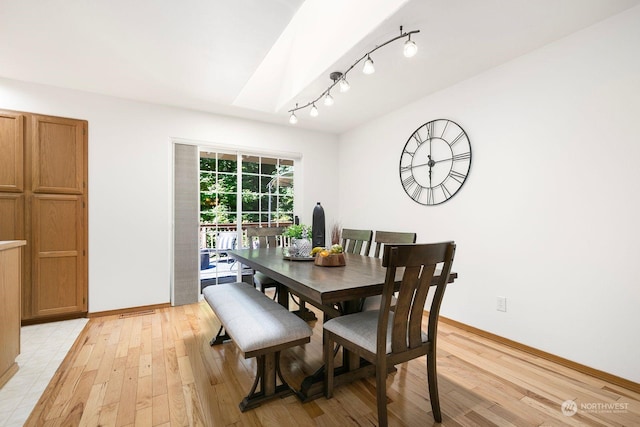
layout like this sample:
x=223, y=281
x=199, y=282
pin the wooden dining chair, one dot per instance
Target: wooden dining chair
x=386, y=338
x=264, y=237
x=354, y=240
x=380, y=239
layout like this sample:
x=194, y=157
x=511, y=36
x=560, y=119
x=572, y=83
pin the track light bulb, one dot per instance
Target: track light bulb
x=344, y=85
x=368, y=66
x=292, y=118
x=314, y=111
x=328, y=100
x=410, y=48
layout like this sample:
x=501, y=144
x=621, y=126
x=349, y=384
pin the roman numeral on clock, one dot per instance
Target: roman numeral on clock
x=462, y=156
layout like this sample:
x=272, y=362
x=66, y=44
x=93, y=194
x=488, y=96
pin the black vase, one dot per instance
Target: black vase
x=317, y=226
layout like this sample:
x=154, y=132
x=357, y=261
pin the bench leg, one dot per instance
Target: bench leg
x=268, y=368
x=220, y=337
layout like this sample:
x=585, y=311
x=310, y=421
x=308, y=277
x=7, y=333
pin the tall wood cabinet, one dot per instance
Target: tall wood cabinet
x=43, y=200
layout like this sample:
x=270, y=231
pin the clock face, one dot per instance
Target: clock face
x=435, y=162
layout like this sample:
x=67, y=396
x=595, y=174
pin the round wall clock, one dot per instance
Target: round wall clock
x=435, y=162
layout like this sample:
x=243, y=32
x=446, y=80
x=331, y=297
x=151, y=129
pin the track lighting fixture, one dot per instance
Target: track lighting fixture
x=292, y=118
x=344, y=84
x=409, y=49
x=328, y=99
x=368, y=66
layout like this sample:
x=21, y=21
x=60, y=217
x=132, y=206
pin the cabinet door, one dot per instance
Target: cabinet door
x=11, y=216
x=58, y=273
x=57, y=155
x=12, y=149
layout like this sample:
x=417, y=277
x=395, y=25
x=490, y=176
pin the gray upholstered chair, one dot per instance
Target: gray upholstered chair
x=386, y=338
x=353, y=241
x=264, y=237
x=380, y=239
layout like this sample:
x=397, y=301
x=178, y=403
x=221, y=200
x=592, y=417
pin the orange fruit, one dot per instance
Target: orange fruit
x=324, y=253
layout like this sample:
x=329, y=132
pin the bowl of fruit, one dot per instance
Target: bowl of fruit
x=332, y=257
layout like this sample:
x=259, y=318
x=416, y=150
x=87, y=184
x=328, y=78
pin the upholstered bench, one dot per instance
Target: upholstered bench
x=260, y=328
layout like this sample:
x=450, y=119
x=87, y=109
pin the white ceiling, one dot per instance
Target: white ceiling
x=257, y=58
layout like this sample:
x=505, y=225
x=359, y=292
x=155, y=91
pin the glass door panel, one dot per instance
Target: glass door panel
x=264, y=187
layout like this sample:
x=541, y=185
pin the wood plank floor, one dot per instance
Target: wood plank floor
x=157, y=369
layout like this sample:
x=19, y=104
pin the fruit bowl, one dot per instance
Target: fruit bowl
x=333, y=257
x=332, y=260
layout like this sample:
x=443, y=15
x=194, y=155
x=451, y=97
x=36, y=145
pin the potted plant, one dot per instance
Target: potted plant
x=300, y=235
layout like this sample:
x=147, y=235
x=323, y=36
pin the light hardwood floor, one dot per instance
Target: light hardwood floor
x=157, y=369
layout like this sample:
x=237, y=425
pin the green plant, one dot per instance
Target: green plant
x=297, y=231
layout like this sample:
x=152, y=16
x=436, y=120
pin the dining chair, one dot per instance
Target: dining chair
x=354, y=240
x=380, y=239
x=386, y=338
x=264, y=237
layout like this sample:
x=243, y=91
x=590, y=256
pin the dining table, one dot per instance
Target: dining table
x=336, y=291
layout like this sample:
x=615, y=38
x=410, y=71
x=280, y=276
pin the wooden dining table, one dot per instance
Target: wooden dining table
x=334, y=290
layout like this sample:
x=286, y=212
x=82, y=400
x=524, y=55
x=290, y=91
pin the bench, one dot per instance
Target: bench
x=260, y=328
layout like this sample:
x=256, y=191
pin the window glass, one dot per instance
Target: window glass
x=266, y=190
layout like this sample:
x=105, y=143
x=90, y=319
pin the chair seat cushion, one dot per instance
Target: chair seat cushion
x=263, y=281
x=362, y=329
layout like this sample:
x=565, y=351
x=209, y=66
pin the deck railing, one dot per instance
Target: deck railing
x=208, y=232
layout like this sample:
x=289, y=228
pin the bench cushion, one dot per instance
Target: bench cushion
x=254, y=321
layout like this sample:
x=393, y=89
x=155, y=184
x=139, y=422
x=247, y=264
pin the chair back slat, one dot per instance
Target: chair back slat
x=383, y=238
x=419, y=262
x=410, y=280
x=354, y=240
x=417, y=308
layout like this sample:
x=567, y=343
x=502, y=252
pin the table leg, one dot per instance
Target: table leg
x=283, y=295
x=304, y=313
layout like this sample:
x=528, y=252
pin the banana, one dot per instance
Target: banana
x=316, y=250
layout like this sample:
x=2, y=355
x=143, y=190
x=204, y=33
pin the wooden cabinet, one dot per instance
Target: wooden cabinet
x=12, y=148
x=58, y=262
x=57, y=155
x=43, y=200
x=10, y=284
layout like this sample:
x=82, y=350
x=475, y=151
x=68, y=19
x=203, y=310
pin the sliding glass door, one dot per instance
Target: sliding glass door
x=238, y=191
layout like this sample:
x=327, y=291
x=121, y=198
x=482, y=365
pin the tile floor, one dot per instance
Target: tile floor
x=42, y=349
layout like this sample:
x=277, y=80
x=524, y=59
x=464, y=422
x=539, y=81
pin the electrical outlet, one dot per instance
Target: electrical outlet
x=502, y=304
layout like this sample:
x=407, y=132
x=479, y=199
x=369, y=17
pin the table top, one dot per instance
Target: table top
x=362, y=276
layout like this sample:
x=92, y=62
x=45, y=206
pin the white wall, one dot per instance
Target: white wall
x=549, y=215
x=130, y=170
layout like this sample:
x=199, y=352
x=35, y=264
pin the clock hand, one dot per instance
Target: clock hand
x=443, y=160
x=417, y=166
